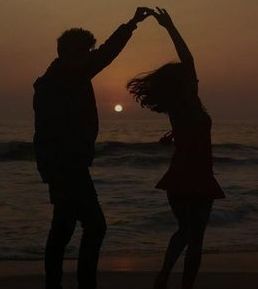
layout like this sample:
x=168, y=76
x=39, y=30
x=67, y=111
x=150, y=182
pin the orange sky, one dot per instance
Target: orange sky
x=222, y=35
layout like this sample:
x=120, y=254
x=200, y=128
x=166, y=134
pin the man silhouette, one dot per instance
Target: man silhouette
x=66, y=127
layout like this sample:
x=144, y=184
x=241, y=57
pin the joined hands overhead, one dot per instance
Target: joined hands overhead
x=141, y=14
x=161, y=15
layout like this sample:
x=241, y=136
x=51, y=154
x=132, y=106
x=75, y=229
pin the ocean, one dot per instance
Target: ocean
x=129, y=162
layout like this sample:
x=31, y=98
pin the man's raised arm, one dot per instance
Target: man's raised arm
x=107, y=52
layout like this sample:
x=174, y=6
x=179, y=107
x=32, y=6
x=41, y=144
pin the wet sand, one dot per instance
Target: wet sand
x=220, y=271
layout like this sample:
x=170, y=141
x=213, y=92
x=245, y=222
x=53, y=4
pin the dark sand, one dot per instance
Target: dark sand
x=139, y=280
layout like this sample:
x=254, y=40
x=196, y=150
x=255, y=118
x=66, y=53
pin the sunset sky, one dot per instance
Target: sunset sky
x=222, y=35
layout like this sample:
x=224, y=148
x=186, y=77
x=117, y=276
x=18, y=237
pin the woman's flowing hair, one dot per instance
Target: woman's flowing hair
x=163, y=89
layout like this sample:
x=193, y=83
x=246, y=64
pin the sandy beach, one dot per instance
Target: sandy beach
x=223, y=271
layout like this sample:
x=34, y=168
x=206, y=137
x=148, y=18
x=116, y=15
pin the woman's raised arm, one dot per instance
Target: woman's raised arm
x=182, y=49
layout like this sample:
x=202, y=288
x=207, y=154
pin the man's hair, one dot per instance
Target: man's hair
x=74, y=40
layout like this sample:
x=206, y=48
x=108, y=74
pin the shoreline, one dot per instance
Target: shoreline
x=244, y=262
x=223, y=271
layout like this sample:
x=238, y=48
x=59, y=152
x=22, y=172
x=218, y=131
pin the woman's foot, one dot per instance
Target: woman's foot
x=160, y=282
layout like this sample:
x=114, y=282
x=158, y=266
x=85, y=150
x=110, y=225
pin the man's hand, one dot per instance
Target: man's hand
x=142, y=13
x=162, y=17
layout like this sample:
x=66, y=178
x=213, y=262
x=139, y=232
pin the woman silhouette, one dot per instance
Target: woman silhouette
x=189, y=181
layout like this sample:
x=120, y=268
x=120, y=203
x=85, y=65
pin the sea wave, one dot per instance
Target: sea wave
x=115, y=153
x=219, y=218
x=16, y=150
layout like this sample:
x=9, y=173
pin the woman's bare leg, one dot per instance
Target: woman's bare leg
x=175, y=248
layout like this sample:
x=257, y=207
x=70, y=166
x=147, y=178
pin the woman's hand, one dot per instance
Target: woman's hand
x=163, y=17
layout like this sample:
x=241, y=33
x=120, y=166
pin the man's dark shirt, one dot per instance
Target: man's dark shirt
x=66, y=118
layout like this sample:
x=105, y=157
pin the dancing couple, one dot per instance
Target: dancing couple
x=66, y=128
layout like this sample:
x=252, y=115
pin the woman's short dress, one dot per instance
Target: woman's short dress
x=190, y=175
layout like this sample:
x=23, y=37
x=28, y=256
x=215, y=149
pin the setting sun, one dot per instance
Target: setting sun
x=118, y=108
